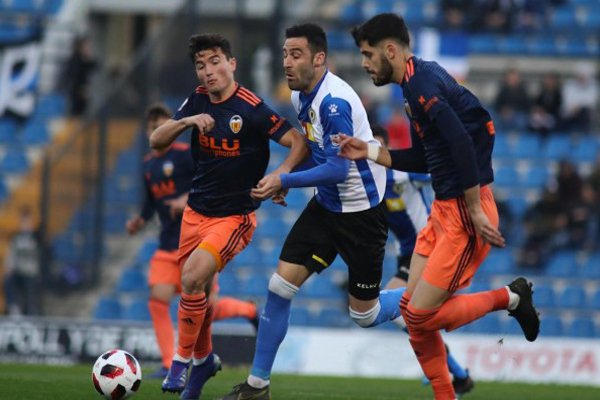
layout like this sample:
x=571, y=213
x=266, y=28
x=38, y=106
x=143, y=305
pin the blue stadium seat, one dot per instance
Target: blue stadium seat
x=506, y=176
x=174, y=308
x=517, y=205
x=490, y=324
x=351, y=13
x=228, y=283
x=64, y=249
x=296, y=199
x=132, y=280
x=513, y=44
x=592, y=21
x=544, y=45
x=147, y=251
x=108, y=308
x=3, y=190
x=483, y=44
x=528, y=146
x=591, y=268
x=272, y=227
x=324, y=288
x=35, y=134
x=564, y=19
x=502, y=147
x=301, y=317
x=557, y=147
x=137, y=311
x=478, y=286
x=551, y=326
x=563, y=265
x=586, y=149
x=114, y=221
x=8, y=130
x=24, y=6
x=594, y=303
x=333, y=317
x=498, y=262
x=50, y=106
x=14, y=162
x=582, y=327
x=536, y=177
x=573, y=297
x=250, y=256
x=544, y=296
x=256, y=285
x=512, y=328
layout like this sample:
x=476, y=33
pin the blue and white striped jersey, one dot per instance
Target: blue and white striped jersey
x=333, y=107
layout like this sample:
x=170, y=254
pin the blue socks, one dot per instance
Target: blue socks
x=389, y=300
x=455, y=369
x=272, y=329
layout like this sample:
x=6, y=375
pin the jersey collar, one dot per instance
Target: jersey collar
x=307, y=99
x=409, y=70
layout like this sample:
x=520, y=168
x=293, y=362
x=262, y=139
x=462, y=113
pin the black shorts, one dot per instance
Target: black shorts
x=403, y=267
x=359, y=237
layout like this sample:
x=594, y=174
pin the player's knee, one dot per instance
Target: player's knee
x=194, y=280
x=281, y=287
x=367, y=318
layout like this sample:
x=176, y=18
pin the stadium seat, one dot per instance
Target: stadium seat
x=512, y=327
x=582, y=327
x=114, y=221
x=502, y=147
x=536, y=177
x=8, y=129
x=50, y=106
x=506, y=176
x=3, y=190
x=256, y=285
x=323, y=288
x=544, y=45
x=228, y=283
x=478, y=286
x=14, y=162
x=272, y=227
x=137, y=311
x=586, y=150
x=591, y=268
x=562, y=265
x=564, y=19
x=174, y=308
x=108, y=308
x=301, y=317
x=544, y=296
x=296, y=199
x=132, y=280
x=250, y=256
x=483, y=43
x=498, y=262
x=527, y=146
x=594, y=303
x=573, y=297
x=490, y=324
x=334, y=318
x=147, y=251
x=517, y=205
x=64, y=249
x=551, y=326
x=35, y=134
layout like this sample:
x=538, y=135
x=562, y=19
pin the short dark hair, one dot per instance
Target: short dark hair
x=208, y=41
x=380, y=27
x=380, y=131
x=314, y=34
x=158, y=110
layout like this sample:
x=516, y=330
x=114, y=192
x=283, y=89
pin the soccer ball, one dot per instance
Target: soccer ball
x=116, y=375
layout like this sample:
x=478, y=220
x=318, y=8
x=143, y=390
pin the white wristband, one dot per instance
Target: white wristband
x=372, y=152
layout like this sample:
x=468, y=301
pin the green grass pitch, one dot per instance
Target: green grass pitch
x=30, y=382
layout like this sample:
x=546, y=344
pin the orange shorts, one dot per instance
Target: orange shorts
x=449, y=240
x=223, y=237
x=164, y=269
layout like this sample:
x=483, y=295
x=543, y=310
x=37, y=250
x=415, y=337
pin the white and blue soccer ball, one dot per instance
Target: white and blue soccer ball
x=117, y=375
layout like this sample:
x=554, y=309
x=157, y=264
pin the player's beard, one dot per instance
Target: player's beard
x=385, y=74
x=304, y=77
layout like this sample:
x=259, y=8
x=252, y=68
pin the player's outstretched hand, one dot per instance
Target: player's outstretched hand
x=204, y=122
x=486, y=230
x=267, y=187
x=177, y=205
x=134, y=225
x=279, y=197
x=351, y=147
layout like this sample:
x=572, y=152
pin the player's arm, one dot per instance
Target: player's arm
x=298, y=151
x=437, y=109
x=134, y=224
x=408, y=160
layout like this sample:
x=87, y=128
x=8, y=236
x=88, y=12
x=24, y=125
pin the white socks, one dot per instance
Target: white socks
x=177, y=357
x=513, y=299
x=199, y=361
x=257, y=382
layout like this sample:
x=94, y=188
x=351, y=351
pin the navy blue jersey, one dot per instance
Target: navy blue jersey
x=429, y=93
x=167, y=175
x=233, y=157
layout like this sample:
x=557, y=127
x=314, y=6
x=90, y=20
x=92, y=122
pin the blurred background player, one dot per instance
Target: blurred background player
x=167, y=180
x=230, y=147
x=408, y=208
x=347, y=215
x=453, y=138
